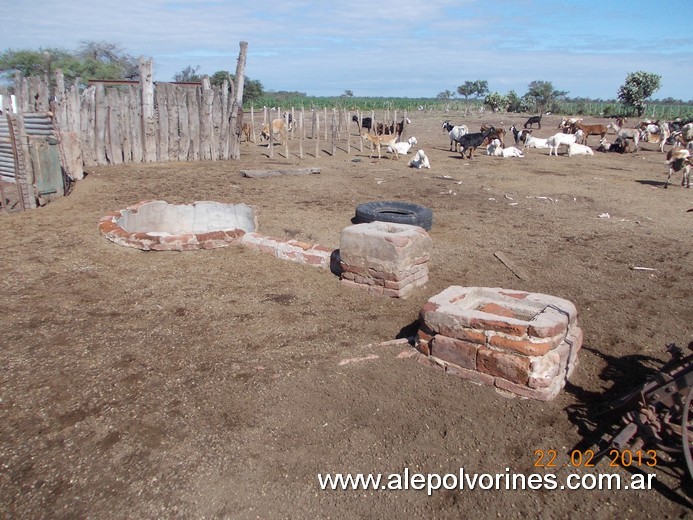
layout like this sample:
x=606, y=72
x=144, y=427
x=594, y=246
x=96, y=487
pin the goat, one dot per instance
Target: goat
x=472, y=141
x=278, y=127
x=380, y=140
x=567, y=122
x=420, y=160
x=455, y=133
x=532, y=120
x=520, y=135
x=579, y=149
x=580, y=137
x=498, y=133
x=626, y=133
x=496, y=149
x=679, y=159
x=399, y=127
x=559, y=139
x=289, y=120
x=685, y=135
x=365, y=124
x=597, y=129
x=403, y=147
x=246, y=129
x=535, y=142
x=656, y=134
x=604, y=145
x=620, y=145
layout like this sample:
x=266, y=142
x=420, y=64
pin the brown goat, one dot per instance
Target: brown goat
x=597, y=129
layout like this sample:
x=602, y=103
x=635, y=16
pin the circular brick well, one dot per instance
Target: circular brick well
x=160, y=226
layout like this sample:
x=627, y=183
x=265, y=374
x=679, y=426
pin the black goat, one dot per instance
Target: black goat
x=366, y=123
x=472, y=141
x=532, y=120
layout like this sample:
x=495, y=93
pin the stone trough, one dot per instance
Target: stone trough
x=160, y=226
x=519, y=342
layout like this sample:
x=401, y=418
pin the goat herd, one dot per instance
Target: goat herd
x=572, y=134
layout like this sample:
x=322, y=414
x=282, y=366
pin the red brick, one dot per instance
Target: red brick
x=471, y=375
x=107, y=226
x=518, y=295
x=511, y=367
x=463, y=333
x=544, y=394
x=423, y=346
x=524, y=346
x=461, y=353
x=351, y=283
x=499, y=310
x=517, y=329
x=297, y=243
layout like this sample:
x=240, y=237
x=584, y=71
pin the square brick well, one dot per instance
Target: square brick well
x=384, y=258
x=524, y=343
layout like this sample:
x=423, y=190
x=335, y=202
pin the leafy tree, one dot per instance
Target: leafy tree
x=347, y=93
x=104, y=60
x=476, y=88
x=188, y=75
x=445, y=95
x=496, y=101
x=516, y=103
x=252, y=89
x=542, y=96
x=93, y=60
x=638, y=87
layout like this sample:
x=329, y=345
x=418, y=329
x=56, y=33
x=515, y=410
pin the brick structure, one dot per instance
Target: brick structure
x=156, y=225
x=524, y=343
x=384, y=258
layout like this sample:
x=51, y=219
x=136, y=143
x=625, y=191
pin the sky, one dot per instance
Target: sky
x=382, y=48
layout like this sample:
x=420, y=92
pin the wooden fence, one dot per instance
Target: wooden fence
x=116, y=122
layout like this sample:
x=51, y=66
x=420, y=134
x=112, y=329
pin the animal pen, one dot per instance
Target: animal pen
x=50, y=132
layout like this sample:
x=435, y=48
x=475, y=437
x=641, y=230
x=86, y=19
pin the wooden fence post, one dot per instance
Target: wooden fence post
x=234, y=130
x=148, y=117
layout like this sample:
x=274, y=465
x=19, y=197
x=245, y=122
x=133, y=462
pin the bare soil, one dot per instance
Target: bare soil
x=208, y=384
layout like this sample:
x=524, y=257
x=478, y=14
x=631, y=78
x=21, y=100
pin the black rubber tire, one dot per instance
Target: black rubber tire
x=396, y=212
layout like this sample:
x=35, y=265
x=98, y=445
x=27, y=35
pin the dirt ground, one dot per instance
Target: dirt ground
x=208, y=384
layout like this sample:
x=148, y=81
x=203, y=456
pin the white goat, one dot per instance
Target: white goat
x=402, y=147
x=535, y=142
x=656, y=134
x=496, y=149
x=420, y=160
x=557, y=140
x=455, y=133
x=579, y=149
x=511, y=151
x=626, y=133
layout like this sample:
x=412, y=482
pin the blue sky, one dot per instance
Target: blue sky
x=401, y=48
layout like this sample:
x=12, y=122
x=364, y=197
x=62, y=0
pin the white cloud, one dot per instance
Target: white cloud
x=388, y=48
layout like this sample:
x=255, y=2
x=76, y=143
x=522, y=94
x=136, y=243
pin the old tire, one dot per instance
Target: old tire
x=396, y=212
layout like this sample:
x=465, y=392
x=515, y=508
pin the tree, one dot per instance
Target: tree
x=496, y=101
x=445, y=95
x=188, y=75
x=516, y=103
x=476, y=88
x=638, y=87
x=347, y=94
x=93, y=60
x=105, y=60
x=543, y=96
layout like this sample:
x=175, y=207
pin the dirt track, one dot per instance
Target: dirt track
x=209, y=384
